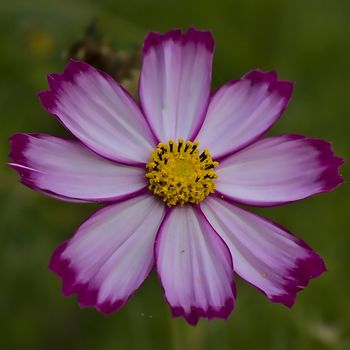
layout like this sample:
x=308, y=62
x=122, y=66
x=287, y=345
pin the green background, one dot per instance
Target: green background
x=305, y=41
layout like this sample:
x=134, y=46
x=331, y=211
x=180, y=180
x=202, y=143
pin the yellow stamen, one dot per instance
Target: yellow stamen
x=180, y=173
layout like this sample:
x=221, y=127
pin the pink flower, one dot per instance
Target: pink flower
x=174, y=204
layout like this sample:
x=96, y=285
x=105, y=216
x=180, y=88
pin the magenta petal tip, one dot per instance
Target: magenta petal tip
x=305, y=270
x=196, y=313
x=193, y=35
x=282, y=87
x=87, y=297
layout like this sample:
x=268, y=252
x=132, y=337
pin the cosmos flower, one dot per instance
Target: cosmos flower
x=172, y=171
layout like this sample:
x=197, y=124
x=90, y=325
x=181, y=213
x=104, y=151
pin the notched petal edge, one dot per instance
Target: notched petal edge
x=196, y=312
x=193, y=35
x=86, y=296
x=306, y=269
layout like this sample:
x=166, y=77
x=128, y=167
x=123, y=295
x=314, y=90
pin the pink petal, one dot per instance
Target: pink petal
x=264, y=254
x=278, y=170
x=175, y=82
x=111, y=254
x=68, y=170
x=99, y=112
x=194, y=266
x=242, y=110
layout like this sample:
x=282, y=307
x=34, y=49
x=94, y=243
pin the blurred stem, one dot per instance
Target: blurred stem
x=186, y=337
x=177, y=334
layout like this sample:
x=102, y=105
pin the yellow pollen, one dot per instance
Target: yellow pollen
x=180, y=173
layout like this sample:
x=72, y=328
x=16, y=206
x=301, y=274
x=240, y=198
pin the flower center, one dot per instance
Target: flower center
x=180, y=174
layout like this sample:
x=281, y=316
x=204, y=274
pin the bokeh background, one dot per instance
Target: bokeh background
x=305, y=41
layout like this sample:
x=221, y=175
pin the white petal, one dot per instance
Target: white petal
x=263, y=253
x=195, y=266
x=111, y=254
x=278, y=170
x=242, y=111
x=175, y=82
x=96, y=109
x=68, y=170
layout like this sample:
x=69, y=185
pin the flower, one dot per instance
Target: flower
x=172, y=172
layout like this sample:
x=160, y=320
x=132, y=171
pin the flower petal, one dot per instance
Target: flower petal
x=278, y=170
x=195, y=266
x=175, y=82
x=242, y=110
x=95, y=108
x=264, y=254
x=111, y=254
x=68, y=170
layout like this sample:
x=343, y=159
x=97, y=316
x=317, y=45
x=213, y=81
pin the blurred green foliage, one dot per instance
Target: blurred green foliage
x=305, y=41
